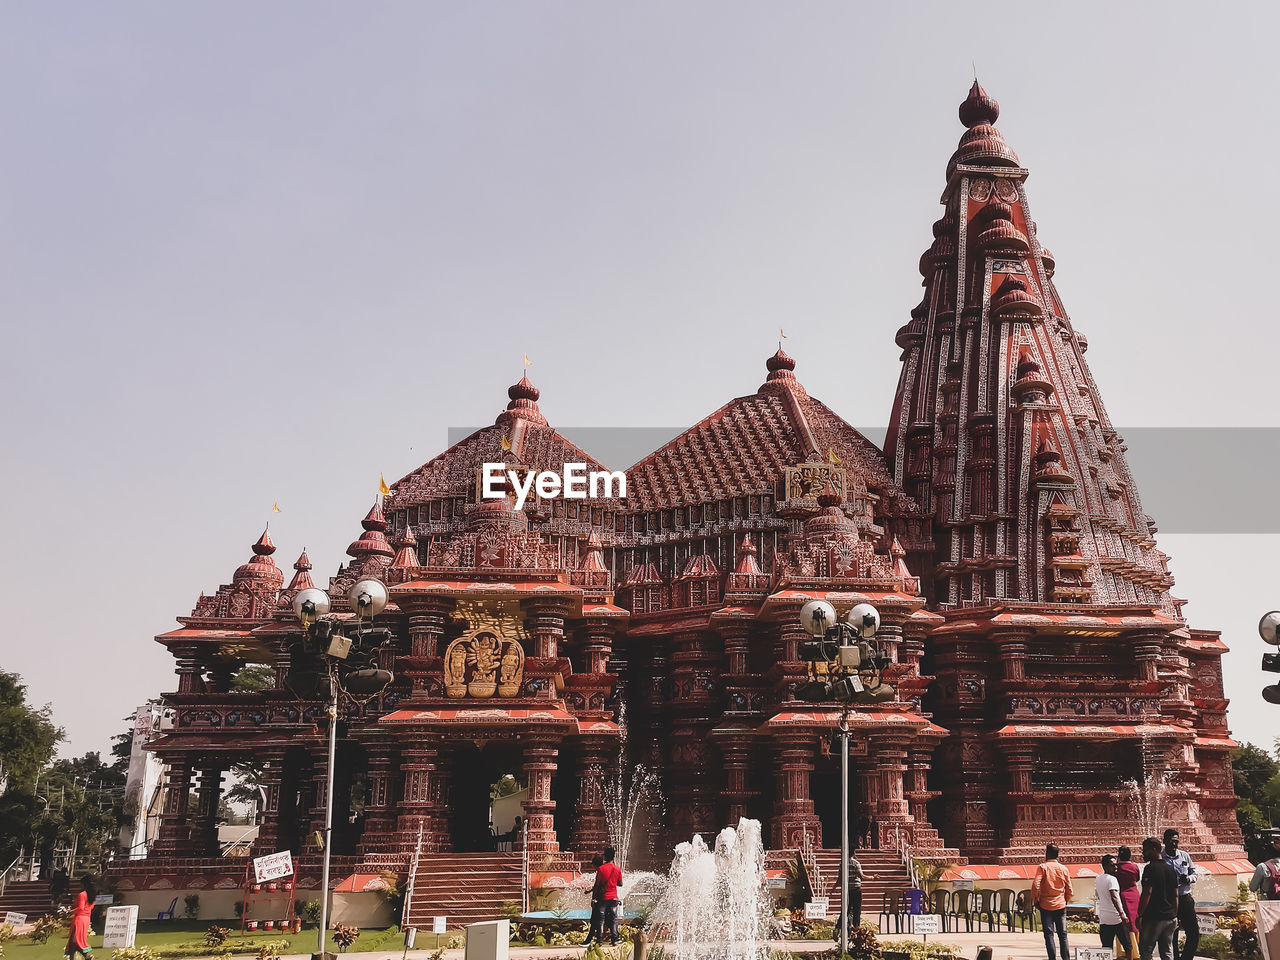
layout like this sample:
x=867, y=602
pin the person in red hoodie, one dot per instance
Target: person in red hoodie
x=608, y=877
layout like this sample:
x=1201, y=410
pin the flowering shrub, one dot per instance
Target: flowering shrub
x=215, y=936
x=344, y=935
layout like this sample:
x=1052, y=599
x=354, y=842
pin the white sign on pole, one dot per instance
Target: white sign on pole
x=816, y=909
x=961, y=884
x=1208, y=924
x=15, y=919
x=120, y=927
x=1095, y=953
x=272, y=867
x=774, y=883
x=926, y=923
x=438, y=925
x=104, y=898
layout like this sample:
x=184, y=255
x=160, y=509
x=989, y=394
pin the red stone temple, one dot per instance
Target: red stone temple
x=1039, y=658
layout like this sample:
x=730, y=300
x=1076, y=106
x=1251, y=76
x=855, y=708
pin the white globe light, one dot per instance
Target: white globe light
x=816, y=616
x=1269, y=627
x=310, y=604
x=865, y=619
x=367, y=597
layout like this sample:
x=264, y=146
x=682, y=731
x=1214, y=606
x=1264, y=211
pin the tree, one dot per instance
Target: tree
x=253, y=678
x=27, y=735
x=1257, y=785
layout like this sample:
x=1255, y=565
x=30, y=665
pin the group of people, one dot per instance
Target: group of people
x=604, y=899
x=1139, y=910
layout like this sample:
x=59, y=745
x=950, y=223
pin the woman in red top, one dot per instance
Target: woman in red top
x=78, y=940
x=1128, y=873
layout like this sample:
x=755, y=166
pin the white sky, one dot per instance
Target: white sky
x=258, y=251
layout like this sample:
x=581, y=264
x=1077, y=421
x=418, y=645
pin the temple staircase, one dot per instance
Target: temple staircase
x=465, y=887
x=885, y=866
x=27, y=896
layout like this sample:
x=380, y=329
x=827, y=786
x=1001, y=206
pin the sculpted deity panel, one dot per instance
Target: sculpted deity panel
x=488, y=658
x=806, y=480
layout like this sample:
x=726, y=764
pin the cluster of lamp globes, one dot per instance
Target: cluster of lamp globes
x=327, y=636
x=1269, y=630
x=844, y=664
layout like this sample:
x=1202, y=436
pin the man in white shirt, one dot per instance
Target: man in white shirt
x=1112, y=920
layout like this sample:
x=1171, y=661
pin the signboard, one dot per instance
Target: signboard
x=927, y=923
x=816, y=909
x=775, y=883
x=1208, y=924
x=961, y=884
x=437, y=925
x=15, y=919
x=1095, y=953
x=120, y=927
x=104, y=898
x=272, y=867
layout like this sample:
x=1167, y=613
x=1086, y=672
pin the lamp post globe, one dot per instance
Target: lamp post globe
x=310, y=604
x=816, y=616
x=865, y=620
x=1269, y=627
x=367, y=597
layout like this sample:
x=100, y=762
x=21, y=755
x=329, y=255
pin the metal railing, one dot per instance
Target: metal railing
x=4, y=877
x=902, y=844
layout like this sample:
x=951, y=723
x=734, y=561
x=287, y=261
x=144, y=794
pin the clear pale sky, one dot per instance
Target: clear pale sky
x=252, y=252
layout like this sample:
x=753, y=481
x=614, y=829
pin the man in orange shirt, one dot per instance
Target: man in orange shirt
x=1051, y=891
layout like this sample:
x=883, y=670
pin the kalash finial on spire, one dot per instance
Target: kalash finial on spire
x=982, y=143
x=782, y=375
x=979, y=107
x=524, y=403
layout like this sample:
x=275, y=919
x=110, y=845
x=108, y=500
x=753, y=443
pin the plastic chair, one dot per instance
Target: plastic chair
x=890, y=907
x=962, y=909
x=168, y=914
x=1025, y=911
x=983, y=905
x=1004, y=906
x=940, y=903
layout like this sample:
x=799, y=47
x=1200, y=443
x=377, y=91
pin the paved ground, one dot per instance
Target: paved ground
x=1005, y=946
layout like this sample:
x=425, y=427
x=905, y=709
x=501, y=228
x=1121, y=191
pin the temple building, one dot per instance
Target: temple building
x=1039, y=660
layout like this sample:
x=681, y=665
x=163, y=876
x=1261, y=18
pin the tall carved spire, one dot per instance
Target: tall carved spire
x=998, y=429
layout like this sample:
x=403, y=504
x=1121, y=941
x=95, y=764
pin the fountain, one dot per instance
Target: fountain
x=715, y=905
x=1152, y=797
x=632, y=790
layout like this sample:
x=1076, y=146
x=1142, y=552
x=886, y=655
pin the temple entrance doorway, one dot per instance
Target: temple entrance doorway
x=824, y=790
x=477, y=770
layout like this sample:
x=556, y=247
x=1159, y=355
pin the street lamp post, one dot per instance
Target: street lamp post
x=844, y=665
x=349, y=667
x=1269, y=630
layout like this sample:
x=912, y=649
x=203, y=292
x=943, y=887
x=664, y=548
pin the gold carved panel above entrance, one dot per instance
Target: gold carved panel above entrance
x=488, y=658
x=806, y=480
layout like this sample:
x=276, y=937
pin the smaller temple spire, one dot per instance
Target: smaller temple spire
x=406, y=549
x=373, y=542
x=302, y=573
x=523, y=404
x=595, y=555
x=782, y=375
x=979, y=107
x=261, y=572
x=1049, y=467
x=747, y=564
x=981, y=143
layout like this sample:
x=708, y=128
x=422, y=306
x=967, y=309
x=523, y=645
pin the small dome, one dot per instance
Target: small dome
x=1046, y=257
x=373, y=542
x=261, y=571
x=1002, y=236
x=781, y=375
x=979, y=107
x=524, y=390
x=1049, y=467
x=1013, y=299
x=302, y=576
x=524, y=403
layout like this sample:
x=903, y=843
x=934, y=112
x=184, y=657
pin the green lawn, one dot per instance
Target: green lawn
x=185, y=938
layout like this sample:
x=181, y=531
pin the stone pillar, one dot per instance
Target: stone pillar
x=540, y=754
x=1147, y=647
x=545, y=622
x=599, y=644
x=890, y=761
x=736, y=636
x=269, y=825
x=590, y=828
x=1020, y=756
x=379, y=804
x=738, y=796
x=793, y=816
x=1011, y=647
x=174, y=839
x=918, y=774
x=189, y=671
x=205, y=839
x=427, y=619
x=419, y=801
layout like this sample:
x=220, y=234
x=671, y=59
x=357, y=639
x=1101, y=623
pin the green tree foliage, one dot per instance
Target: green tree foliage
x=27, y=735
x=253, y=678
x=1257, y=785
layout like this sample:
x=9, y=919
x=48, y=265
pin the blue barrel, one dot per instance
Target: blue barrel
x=914, y=900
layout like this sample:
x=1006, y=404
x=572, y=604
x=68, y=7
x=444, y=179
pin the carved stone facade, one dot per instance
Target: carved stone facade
x=1038, y=657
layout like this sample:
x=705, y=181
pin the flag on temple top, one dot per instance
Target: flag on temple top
x=506, y=444
x=831, y=455
x=781, y=335
x=382, y=485
x=275, y=506
x=527, y=361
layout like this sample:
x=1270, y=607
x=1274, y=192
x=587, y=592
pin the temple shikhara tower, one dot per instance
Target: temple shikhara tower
x=1040, y=661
